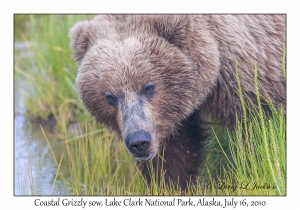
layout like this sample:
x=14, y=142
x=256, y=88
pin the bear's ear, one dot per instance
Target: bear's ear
x=79, y=35
x=173, y=28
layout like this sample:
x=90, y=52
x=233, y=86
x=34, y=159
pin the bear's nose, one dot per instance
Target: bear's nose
x=138, y=143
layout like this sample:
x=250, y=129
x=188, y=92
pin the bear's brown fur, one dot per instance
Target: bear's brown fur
x=150, y=78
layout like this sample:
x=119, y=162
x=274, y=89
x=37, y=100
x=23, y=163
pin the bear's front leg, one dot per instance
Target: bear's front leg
x=180, y=157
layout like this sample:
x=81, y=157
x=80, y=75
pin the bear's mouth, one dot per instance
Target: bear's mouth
x=145, y=158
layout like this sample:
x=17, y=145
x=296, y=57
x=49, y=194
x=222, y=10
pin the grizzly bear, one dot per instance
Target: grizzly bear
x=152, y=78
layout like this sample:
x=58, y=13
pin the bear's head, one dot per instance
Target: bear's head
x=136, y=76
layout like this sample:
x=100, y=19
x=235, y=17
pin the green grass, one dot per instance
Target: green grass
x=98, y=164
x=255, y=152
x=50, y=73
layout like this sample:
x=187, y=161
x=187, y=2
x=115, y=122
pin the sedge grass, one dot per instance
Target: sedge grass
x=256, y=151
x=50, y=71
x=100, y=165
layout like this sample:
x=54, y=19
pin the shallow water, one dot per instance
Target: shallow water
x=34, y=166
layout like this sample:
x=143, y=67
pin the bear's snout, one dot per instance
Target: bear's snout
x=138, y=143
x=137, y=127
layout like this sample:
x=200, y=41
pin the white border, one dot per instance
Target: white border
x=154, y=6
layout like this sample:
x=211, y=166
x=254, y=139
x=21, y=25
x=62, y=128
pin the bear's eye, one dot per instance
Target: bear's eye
x=148, y=90
x=111, y=99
